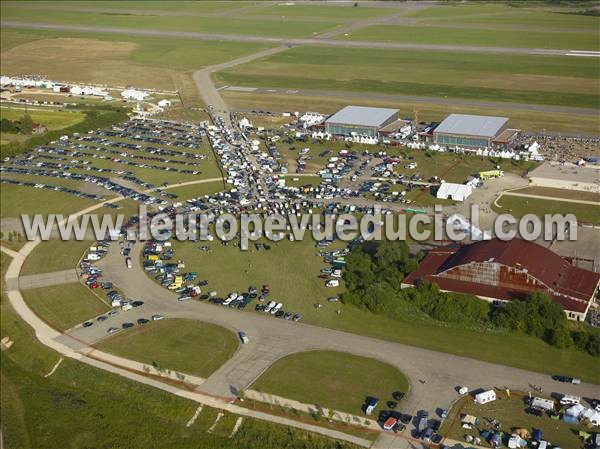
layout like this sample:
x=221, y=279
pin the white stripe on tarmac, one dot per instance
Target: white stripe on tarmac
x=585, y=53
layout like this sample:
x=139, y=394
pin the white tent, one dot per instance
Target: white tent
x=485, y=397
x=457, y=192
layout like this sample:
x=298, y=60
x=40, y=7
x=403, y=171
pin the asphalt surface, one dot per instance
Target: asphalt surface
x=284, y=41
x=433, y=376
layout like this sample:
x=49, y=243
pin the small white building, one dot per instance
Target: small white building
x=164, y=103
x=485, y=396
x=456, y=192
x=133, y=94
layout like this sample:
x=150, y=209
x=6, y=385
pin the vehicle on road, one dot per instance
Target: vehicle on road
x=113, y=330
x=244, y=338
x=101, y=318
x=567, y=379
x=143, y=321
x=88, y=323
x=128, y=262
x=157, y=317
x=127, y=325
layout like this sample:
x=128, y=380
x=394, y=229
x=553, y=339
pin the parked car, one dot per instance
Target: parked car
x=128, y=262
x=127, y=325
x=157, y=317
x=88, y=323
x=143, y=321
x=244, y=338
x=113, y=330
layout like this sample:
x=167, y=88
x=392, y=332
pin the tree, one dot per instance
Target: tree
x=26, y=124
x=7, y=126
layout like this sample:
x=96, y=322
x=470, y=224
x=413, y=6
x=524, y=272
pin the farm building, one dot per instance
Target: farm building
x=361, y=121
x=566, y=177
x=456, y=192
x=500, y=271
x=473, y=131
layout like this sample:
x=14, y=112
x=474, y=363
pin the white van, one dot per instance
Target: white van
x=333, y=283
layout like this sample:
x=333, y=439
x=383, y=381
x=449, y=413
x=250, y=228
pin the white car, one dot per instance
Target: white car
x=244, y=337
x=157, y=317
x=270, y=306
x=276, y=308
x=332, y=283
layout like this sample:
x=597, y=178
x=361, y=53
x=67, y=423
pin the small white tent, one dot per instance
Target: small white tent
x=485, y=397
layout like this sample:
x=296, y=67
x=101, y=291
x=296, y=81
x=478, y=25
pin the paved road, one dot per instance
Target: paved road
x=433, y=375
x=48, y=279
x=285, y=41
x=416, y=99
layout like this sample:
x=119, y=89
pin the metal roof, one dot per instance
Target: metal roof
x=471, y=125
x=361, y=116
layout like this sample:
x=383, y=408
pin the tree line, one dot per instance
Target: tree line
x=373, y=279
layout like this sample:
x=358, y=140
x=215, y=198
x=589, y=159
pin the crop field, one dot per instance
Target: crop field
x=206, y=346
x=536, y=79
x=64, y=306
x=331, y=379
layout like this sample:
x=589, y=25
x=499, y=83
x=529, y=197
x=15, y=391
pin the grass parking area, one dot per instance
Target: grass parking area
x=55, y=255
x=38, y=411
x=510, y=411
x=188, y=346
x=335, y=380
x=520, y=206
x=64, y=306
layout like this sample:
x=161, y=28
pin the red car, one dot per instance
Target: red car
x=94, y=285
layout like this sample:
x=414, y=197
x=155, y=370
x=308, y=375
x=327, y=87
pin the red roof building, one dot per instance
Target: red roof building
x=498, y=270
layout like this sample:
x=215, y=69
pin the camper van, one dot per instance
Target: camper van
x=569, y=399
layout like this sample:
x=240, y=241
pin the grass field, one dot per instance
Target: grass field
x=519, y=206
x=17, y=200
x=510, y=411
x=485, y=77
x=187, y=346
x=295, y=283
x=477, y=36
x=560, y=193
x=53, y=119
x=226, y=25
x=195, y=190
x=64, y=306
x=37, y=412
x=330, y=379
x=55, y=255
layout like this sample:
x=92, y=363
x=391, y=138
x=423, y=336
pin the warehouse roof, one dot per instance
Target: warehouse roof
x=471, y=125
x=362, y=116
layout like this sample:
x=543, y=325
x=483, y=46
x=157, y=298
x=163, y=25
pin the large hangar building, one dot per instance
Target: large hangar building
x=361, y=121
x=473, y=131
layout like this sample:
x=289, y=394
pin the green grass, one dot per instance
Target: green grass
x=560, y=193
x=51, y=118
x=552, y=80
x=187, y=346
x=17, y=200
x=226, y=25
x=295, y=283
x=110, y=411
x=329, y=12
x=477, y=37
x=510, y=411
x=520, y=206
x=64, y=306
x=195, y=190
x=335, y=380
x=55, y=255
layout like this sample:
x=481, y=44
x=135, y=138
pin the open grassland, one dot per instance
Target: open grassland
x=116, y=60
x=295, y=283
x=53, y=119
x=37, y=412
x=55, y=255
x=519, y=79
x=329, y=12
x=428, y=110
x=17, y=200
x=64, y=306
x=519, y=206
x=478, y=37
x=224, y=25
x=560, y=193
x=329, y=379
x=510, y=411
x=186, y=346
